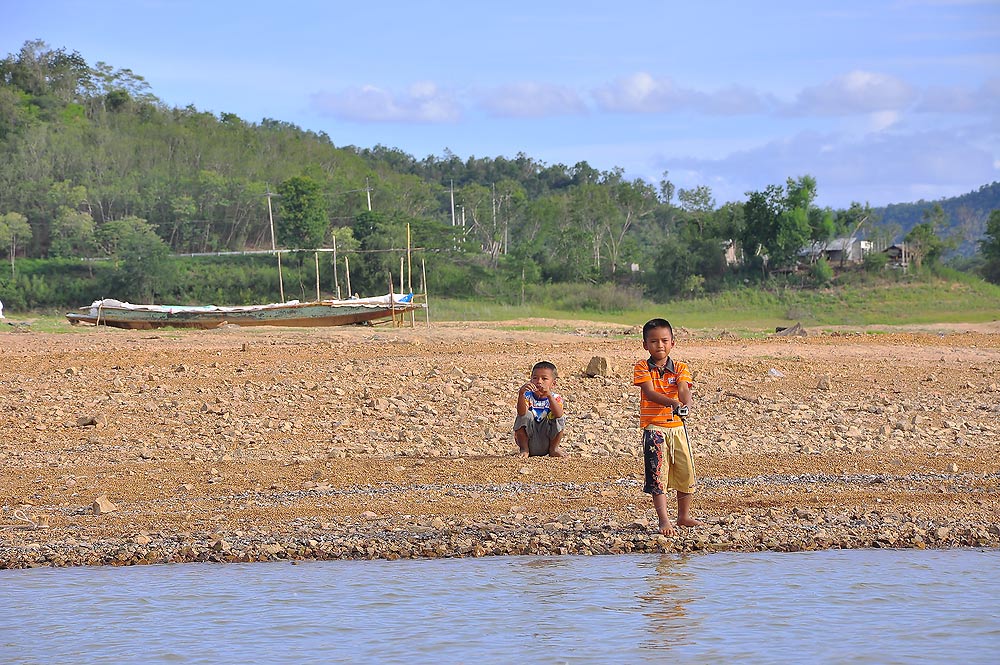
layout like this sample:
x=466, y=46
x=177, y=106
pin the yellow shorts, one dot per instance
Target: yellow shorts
x=668, y=459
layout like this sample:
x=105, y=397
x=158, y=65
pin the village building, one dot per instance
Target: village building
x=838, y=250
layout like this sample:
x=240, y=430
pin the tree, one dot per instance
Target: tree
x=478, y=212
x=822, y=224
x=922, y=242
x=990, y=248
x=671, y=271
x=794, y=228
x=71, y=233
x=667, y=189
x=509, y=197
x=800, y=193
x=41, y=71
x=13, y=228
x=776, y=224
x=552, y=241
x=589, y=206
x=760, y=222
x=633, y=201
x=698, y=203
x=141, y=268
x=303, y=213
x=791, y=236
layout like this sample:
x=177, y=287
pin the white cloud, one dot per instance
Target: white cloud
x=642, y=93
x=532, y=100
x=948, y=100
x=985, y=99
x=639, y=93
x=735, y=100
x=423, y=102
x=882, y=120
x=855, y=92
x=882, y=98
x=879, y=168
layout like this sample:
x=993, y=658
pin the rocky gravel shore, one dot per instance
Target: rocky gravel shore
x=130, y=447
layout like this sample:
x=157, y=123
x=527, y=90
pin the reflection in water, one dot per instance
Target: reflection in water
x=665, y=601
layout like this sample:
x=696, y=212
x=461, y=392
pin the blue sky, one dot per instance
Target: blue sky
x=881, y=101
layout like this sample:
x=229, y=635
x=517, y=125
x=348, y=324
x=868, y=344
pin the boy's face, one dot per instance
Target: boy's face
x=658, y=342
x=543, y=380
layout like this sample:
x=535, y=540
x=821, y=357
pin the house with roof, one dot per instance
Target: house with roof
x=898, y=254
x=838, y=250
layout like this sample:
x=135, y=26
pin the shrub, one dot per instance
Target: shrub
x=875, y=262
x=821, y=272
x=606, y=298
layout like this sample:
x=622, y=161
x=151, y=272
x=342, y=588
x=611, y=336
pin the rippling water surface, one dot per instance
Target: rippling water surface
x=853, y=606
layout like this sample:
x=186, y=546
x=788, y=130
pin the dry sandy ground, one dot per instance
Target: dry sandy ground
x=248, y=444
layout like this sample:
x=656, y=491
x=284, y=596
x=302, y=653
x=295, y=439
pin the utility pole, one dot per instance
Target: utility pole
x=270, y=216
x=453, y=203
x=274, y=247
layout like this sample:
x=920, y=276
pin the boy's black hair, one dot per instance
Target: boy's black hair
x=656, y=323
x=545, y=364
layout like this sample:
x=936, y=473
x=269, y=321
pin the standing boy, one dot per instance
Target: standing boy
x=665, y=386
x=540, y=417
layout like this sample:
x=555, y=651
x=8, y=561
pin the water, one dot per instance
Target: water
x=853, y=606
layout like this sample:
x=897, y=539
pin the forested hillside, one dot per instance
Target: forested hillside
x=94, y=165
x=966, y=215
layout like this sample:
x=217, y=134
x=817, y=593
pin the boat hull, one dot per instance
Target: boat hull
x=312, y=314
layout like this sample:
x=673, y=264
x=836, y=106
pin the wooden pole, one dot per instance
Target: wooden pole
x=392, y=302
x=409, y=267
x=316, y=257
x=274, y=246
x=522, y=286
x=410, y=289
x=270, y=218
x=427, y=309
x=347, y=271
x=336, y=284
x=281, y=282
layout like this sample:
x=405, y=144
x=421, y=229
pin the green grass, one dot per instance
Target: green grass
x=748, y=310
x=47, y=323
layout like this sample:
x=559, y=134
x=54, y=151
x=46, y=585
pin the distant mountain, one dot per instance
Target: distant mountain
x=966, y=216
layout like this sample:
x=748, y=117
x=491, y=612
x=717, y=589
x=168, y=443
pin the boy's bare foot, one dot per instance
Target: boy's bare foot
x=689, y=521
x=556, y=452
x=667, y=529
x=521, y=453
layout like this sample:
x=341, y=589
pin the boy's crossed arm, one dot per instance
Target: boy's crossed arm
x=653, y=395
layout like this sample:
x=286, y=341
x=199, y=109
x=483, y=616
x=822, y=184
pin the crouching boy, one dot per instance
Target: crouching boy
x=540, y=419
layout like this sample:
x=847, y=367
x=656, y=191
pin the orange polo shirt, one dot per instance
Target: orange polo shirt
x=651, y=413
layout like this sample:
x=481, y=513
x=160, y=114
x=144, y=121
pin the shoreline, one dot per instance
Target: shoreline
x=360, y=443
x=460, y=540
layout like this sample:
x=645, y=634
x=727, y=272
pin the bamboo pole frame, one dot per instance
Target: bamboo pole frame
x=336, y=283
x=281, y=281
x=392, y=303
x=316, y=257
x=427, y=307
x=409, y=266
